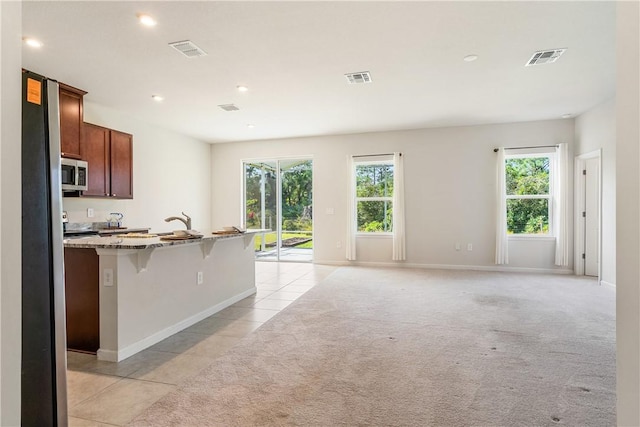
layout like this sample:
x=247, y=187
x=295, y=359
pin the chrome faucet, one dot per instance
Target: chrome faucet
x=186, y=222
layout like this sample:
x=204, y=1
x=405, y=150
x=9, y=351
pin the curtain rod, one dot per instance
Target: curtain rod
x=495, y=150
x=375, y=155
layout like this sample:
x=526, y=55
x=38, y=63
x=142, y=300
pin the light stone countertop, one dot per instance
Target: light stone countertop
x=123, y=230
x=119, y=242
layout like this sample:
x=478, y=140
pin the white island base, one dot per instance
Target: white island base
x=147, y=295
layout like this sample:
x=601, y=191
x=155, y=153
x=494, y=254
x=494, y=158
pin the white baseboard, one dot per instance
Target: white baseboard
x=500, y=268
x=604, y=282
x=130, y=350
x=331, y=262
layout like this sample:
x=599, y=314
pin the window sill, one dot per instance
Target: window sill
x=375, y=235
x=531, y=237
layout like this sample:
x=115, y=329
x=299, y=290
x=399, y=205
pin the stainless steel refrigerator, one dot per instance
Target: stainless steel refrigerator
x=44, y=374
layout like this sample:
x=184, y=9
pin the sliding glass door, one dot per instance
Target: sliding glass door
x=278, y=195
x=260, y=202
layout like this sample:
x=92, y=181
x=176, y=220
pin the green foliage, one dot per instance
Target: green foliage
x=296, y=196
x=527, y=177
x=271, y=238
x=253, y=185
x=374, y=181
x=296, y=191
x=539, y=224
x=298, y=224
x=372, y=226
x=527, y=216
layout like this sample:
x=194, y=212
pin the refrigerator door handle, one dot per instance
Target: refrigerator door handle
x=53, y=111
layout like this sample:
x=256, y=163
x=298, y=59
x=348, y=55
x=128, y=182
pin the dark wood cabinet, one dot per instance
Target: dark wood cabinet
x=121, y=165
x=110, y=156
x=71, y=119
x=82, y=298
x=95, y=151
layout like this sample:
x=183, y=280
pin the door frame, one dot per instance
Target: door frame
x=277, y=160
x=579, y=199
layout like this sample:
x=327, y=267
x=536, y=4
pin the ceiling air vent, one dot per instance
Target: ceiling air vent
x=188, y=48
x=228, y=107
x=357, y=78
x=545, y=57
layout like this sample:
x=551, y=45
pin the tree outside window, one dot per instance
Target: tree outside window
x=374, y=196
x=528, y=193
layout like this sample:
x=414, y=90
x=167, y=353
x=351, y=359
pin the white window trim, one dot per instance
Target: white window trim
x=364, y=162
x=551, y=154
x=375, y=234
x=530, y=237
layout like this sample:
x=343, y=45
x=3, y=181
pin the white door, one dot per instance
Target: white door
x=591, y=217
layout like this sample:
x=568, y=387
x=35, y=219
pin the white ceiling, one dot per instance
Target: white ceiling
x=293, y=57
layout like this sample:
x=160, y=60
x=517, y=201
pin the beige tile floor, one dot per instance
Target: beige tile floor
x=108, y=394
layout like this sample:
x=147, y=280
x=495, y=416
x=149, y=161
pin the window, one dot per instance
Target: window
x=529, y=194
x=374, y=196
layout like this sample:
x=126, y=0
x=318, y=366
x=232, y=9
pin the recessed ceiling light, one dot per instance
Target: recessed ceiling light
x=32, y=42
x=157, y=98
x=250, y=126
x=470, y=58
x=566, y=116
x=242, y=88
x=146, y=20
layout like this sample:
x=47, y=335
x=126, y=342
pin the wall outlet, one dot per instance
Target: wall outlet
x=200, y=278
x=338, y=244
x=89, y=212
x=469, y=247
x=107, y=277
x=330, y=211
x=457, y=246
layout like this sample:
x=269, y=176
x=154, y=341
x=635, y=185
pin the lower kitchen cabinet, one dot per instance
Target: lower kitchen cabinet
x=110, y=156
x=81, y=273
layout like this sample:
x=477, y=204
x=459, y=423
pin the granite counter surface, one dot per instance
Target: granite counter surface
x=119, y=242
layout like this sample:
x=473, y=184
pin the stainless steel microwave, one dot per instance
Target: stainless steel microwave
x=74, y=174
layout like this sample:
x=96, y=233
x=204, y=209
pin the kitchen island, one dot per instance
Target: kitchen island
x=149, y=289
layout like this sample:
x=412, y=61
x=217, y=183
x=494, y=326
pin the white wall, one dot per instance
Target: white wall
x=450, y=190
x=166, y=294
x=596, y=129
x=628, y=213
x=171, y=174
x=10, y=212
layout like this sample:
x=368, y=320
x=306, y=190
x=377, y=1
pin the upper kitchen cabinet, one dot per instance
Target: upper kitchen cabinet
x=110, y=156
x=121, y=165
x=95, y=150
x=71, y=119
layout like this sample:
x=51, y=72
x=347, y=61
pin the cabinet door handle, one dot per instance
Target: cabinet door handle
x=114, y=195
x=107, y=194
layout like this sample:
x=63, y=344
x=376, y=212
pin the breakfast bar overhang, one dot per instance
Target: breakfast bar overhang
x=150, y=289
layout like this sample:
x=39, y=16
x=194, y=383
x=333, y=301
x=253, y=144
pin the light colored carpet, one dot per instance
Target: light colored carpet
x=399, y=347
